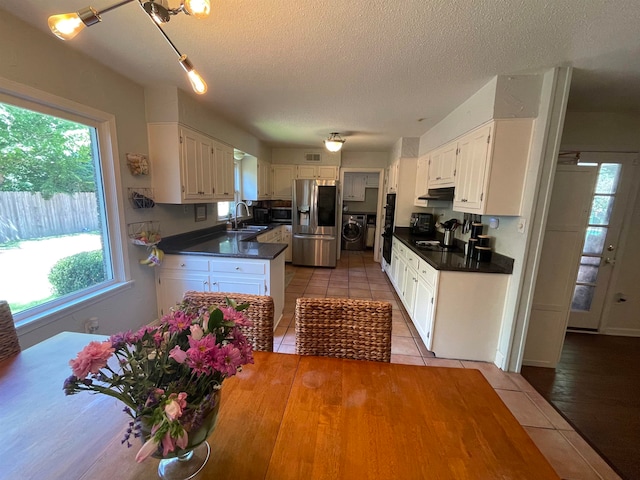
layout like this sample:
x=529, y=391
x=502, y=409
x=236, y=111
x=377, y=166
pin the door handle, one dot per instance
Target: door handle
x=611, y=248
x=610, y=261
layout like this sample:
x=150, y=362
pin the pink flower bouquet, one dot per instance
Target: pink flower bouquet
x=169, y=375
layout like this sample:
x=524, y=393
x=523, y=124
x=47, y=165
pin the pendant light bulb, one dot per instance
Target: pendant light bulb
x=197, y=8
x=67, y=25
x=334, y=142
x=197, y=82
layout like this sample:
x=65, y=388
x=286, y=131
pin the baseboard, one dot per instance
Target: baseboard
x=622, y=332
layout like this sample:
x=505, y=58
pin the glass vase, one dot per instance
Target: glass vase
x=184, y=464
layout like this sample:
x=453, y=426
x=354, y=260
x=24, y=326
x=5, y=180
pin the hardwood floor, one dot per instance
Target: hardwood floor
x=596, y=387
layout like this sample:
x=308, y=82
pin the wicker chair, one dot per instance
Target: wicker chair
x=9, y=344
x=343, y=328
x=260, y=313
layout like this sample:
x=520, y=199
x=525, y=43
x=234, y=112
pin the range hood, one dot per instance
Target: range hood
x=442, y=194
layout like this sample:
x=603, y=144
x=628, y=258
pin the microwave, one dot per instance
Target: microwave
x=281, y=214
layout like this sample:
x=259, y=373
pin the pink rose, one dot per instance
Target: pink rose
x=173, y=409
x=178, y=354
x=91, y=359
x=196, y=332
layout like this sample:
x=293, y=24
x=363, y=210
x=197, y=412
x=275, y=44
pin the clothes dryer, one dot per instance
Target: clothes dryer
x=354, y=228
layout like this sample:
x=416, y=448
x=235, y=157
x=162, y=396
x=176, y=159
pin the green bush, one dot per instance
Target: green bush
x=77, y=272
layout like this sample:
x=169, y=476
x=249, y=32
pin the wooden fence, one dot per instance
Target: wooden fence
x=25, y=215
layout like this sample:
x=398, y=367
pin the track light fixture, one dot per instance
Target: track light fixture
x=334, y=142
x=67, y=25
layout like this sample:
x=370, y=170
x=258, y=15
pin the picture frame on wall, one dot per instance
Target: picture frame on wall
x=200, y=212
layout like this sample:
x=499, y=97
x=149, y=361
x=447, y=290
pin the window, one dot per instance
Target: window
x=593, y=251
x=60, y=238
x=225, y=209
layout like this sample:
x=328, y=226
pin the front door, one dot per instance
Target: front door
x=601, y=238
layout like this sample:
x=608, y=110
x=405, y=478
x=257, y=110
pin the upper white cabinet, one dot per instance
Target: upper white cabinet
x=354, y=187
x=184, y=164
x=317, y=172
x=281, y=181
x=492, y=165
x=223, y=184
x=392, y=186
x=371, y=180
x=256, y=179
x=442, y=168
x=422, y=181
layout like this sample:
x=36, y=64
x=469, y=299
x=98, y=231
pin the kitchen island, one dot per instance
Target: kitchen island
x=217, y=260
x=455, y=304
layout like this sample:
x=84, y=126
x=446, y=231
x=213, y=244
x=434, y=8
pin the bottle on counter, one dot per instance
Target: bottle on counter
x=229, y=224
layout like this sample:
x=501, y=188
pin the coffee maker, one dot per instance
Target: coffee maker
x=423, y=225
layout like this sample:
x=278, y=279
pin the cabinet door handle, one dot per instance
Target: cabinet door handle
x=237, y=268
x=182, y=265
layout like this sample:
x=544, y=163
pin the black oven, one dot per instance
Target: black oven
x=281, y=214
x=387, y=230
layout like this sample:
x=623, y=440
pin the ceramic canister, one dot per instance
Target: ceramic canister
x=482, y=254
x=471, y=245
x=476, y=229
x=484, y=240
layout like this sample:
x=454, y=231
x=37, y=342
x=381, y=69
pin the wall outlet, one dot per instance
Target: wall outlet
x=522, y=223
x=185, y=209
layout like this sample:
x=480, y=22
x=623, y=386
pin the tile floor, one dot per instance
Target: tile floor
x=358, y=276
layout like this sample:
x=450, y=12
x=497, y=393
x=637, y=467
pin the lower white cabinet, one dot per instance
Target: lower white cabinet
x=288, y=253
x=457, y=313
x=179, y=273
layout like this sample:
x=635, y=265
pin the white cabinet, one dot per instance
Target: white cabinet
x=318, y=172
x=286, y=238
x=442, y=167
x=371, y=180
x=282, y=177
x=392, y=185
x=422, y=181
x=264, y=180
x=354, y=187
x=256, y=179
x=179, y=273
x=492, y=168
x=223, y=181
x=188, y=166
x=183, y=163
x=449, y=327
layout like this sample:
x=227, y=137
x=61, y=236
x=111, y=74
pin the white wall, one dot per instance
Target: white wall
x=39, y=60
x=365, y=159
x=295, y=156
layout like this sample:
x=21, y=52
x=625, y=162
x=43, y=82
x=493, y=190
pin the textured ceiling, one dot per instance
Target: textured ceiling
x=292, y=71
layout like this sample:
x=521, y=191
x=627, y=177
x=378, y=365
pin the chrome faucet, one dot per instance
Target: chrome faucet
x=235, y=211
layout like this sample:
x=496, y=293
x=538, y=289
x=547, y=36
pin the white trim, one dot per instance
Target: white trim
x=58, y=313
x=105, y=126
x=380, y=205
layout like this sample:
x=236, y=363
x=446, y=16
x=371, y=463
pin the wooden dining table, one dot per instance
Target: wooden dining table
x=284, y=417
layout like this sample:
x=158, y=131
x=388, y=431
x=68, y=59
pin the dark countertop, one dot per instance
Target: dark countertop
x=454, y=260
x=218, y=242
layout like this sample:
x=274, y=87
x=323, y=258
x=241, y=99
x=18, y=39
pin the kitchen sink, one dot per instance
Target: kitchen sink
x=253, y=228
x=249, y=228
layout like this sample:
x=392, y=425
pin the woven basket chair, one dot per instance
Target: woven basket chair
x=260, y=313
x=9, y=344
x=343, y=328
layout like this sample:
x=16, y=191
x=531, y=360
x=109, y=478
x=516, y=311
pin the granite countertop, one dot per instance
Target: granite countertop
x=454, y=260
x=219, y=242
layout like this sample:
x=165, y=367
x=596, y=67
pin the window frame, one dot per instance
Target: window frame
x=108, y=192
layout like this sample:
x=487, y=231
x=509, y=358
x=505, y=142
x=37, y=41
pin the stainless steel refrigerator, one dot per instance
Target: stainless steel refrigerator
x=315, y=223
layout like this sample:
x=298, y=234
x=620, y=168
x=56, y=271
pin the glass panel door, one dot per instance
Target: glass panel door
x=597, y=251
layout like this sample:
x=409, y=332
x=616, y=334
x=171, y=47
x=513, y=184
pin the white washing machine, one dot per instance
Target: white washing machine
x=354, y=232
